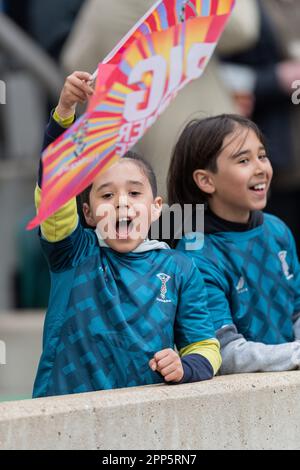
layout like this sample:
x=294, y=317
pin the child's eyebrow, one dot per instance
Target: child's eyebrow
x=246, y=152
x=109, y=184
x=138, y=183
x=103, y=186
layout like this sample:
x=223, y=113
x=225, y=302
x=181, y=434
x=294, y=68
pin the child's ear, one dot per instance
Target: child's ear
x=88, y=215
x=156, y=209
x=204, y=181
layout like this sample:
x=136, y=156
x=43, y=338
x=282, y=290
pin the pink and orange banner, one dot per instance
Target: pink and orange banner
x=168, y=48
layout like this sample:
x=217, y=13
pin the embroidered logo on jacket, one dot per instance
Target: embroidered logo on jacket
x=164, y=278
x=79, y=138
x=240, y=287
x=285, y=267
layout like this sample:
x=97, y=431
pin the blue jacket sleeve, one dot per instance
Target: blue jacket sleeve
x=52, y=132
x=196, y=368
x=193, y=321
x=215, y=284
x=69, y=252
x=216, y=294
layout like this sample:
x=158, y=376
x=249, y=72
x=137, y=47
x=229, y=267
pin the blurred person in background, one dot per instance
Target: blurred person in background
x=16, y=10
x=48, y=21
x=99, y=27
x=272, y=65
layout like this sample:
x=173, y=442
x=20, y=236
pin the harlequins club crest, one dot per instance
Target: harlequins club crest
x=164, y=278
x=79, y=138
x=285, y=267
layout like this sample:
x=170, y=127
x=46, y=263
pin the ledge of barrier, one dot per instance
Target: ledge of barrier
x=251, y=411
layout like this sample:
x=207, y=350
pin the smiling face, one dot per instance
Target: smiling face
x=122, y=206
x=242, y=180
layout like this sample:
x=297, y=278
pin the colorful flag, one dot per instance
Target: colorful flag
x=167, y=49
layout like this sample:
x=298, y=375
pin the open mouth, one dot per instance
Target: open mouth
x=259, y=188
x=123, y=227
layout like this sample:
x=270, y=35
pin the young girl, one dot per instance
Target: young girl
x=248, y=260
x=118, y=302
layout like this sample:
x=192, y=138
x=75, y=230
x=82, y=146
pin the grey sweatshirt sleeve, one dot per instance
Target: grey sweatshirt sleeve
x=241, y=356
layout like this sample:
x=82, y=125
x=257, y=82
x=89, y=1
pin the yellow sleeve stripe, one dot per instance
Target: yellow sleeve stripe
x=63, y=122
x=61, y=224
x=210, y=349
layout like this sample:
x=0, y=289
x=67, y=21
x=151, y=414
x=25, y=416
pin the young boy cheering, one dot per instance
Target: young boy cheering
x=119, y=302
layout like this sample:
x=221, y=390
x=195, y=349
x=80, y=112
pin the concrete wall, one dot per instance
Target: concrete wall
x=21, y=333
x=254, y=411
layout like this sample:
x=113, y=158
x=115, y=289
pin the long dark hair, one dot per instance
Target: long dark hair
x=199, y=147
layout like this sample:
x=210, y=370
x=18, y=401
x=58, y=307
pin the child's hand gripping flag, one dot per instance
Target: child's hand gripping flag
x=168, y=48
